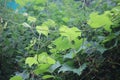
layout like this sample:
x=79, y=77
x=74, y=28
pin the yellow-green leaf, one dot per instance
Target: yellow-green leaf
x=30, y=61
x=50, y=60
x=49, y=23
x=97, y=21
x=71, y=33
x=42, y=30
x=16, y=78
x=32, y=19
x=41, y=68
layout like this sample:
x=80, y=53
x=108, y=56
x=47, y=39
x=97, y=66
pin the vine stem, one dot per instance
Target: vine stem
x=114, y=63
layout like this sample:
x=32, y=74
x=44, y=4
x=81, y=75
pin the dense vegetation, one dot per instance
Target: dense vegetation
x=59, y=40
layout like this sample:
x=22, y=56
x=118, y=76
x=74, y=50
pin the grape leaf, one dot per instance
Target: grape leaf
x=42, y=29
x=62, y=43
x=30, y=61
x=41, y=68
x=97, y=21
x=32, y=19
x=71, y=33
x=44, y=58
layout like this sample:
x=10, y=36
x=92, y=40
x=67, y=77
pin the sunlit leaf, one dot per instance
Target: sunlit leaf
x=78, y=43
x=50, y=60
x=16, y=78
x=41, y=68
x=97, y=21
x=31, y=19
x=41, y=58
x=20, y=2
x=30, y=61
x=71, y=33
x=38, y=8
x=42, y=29
x=26, y=25
x=44, y=58
x=62, y=43
x=24, y=2
x=49, y=23
x=65, y=19
x=40, y=1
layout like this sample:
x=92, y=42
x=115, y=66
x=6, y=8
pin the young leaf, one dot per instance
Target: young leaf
x=44, y=58
x=42, y=29
x=31, y=19
x=50, y=60
x=71, y=33
x=49, y=23
x=97, y=21
x=62, y=43
x=30, y=61
x=42, y=68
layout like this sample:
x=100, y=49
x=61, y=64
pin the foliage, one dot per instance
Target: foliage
x=16, y=78
x=59, y=39
x=102, y=20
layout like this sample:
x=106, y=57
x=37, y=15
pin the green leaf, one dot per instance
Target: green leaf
x=80, y=69
x=65, y=19
x=39, y=8
x=47, y=76
x=40, y=1
x=54, y=67
x=20, y=2
x=16, y=78
x=42, y=68
x=78, y=43
x=49, y=23
x=62, y=43
x=42, y=29
x=31, y=19
x=44, y=58
x=108, y=38
x=26, y=25
x=97, y=21
x=71, y=33
x=65, y=68
x=50, y=60
x=30, y=61
x=70, y=55
x=23, y=2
